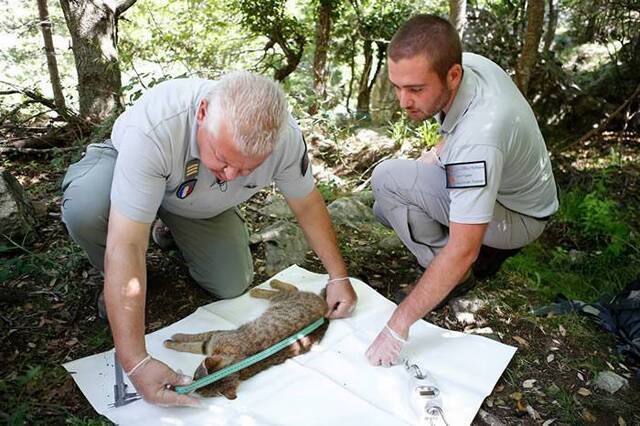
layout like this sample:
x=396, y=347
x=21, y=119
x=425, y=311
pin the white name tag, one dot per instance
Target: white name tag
x=466, y=175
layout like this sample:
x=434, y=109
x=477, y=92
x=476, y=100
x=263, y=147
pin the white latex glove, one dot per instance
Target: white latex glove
x=386, y=348
x=154, y=379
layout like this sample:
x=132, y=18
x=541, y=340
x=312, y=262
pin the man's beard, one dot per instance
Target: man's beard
x=440, y=103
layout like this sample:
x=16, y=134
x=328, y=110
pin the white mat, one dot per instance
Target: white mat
x=332, y=385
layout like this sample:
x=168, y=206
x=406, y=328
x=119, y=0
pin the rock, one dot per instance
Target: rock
x=278, y=208
x=392, y=242
x=610, y=382
x=349, y=211
x=365, y=197
x=285, y=246
x=461, y=305
x=17, y=216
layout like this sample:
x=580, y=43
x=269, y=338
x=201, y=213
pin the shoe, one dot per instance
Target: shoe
x=161, y=235
x=489, y=261
x=101, y=307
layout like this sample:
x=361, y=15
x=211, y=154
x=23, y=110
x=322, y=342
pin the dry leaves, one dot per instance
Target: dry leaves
x=521, y=341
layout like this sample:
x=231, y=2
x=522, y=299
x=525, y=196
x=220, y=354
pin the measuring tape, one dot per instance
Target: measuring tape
x=207, y=380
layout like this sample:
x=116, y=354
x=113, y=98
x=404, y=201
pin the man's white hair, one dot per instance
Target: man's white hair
x=254, y=109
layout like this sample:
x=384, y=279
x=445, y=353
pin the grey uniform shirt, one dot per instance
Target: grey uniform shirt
x=493, y=149
x=156, y=138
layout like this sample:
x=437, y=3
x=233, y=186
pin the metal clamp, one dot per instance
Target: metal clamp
x=121, y=396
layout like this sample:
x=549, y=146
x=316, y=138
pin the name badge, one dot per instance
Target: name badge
x=466, y=175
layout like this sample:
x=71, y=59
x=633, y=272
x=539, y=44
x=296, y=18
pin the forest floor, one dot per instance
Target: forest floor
x=48, y=291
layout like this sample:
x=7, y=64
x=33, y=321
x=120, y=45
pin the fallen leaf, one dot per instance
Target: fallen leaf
x=548, y=422
x=71, y=342
x=550, y=358
x=584, y=392
x=532, y=412
x=527, y=384
x=521, y=341
x=520, y=406
x=621, y=422
x=31, y=345
x=489, y=402
x=563, y=332
x=516, y=395
x=587, y=416
x=57, y=306
x=580, y=376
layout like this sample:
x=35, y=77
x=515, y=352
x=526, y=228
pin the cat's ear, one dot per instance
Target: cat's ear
x=230, y=392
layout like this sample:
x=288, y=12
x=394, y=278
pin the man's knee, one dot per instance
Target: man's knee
x=83, y=218
x=224, y=285
x=384, y=173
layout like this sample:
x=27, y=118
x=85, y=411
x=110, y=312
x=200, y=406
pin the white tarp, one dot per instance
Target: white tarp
x=331, y=385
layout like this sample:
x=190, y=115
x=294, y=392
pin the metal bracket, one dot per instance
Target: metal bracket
x=121, y=396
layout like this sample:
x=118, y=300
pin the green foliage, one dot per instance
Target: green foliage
x=425, y=134
x=598, y=254
x=596, y=218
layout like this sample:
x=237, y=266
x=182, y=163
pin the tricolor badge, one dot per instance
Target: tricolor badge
x=190, y=173
x=186, y=188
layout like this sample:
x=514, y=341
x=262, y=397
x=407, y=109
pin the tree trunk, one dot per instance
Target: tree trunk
x=533, y=33
x=94, y=32
x=45, y=25
x=292, y=54
x=552, y=24
x=323, y=32
x=458, y=15
x=364, y=93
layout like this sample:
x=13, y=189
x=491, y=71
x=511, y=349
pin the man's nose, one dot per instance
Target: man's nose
x=405, y=99
x=230, y=173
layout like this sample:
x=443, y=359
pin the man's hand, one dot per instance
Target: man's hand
x=429, y=157
x=153, y=380
x=386, y=349
x=341, y=299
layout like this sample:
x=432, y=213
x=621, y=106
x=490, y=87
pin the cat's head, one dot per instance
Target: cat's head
x=227, y=386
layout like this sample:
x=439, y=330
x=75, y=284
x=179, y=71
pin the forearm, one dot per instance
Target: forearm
x=446, y=270
x=125, y=294
x=316, y=224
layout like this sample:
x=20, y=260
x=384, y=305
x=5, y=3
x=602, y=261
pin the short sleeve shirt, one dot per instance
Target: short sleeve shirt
x=493, y=150
x=156, y=138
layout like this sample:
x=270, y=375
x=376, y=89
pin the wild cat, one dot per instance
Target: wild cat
x=290, y=311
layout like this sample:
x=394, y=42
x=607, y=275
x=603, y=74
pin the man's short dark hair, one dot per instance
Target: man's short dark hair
x=431, y=36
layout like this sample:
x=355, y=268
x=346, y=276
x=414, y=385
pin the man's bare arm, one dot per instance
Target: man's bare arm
x=315, y=222
x=446, y=270
x=125, y=296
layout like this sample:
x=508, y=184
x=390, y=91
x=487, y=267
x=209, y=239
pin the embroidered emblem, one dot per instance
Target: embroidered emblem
x=472, y=174
x=186, y=188
x=191, y=170
x=304, y=161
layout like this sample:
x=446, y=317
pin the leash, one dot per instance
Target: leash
x=214, y=377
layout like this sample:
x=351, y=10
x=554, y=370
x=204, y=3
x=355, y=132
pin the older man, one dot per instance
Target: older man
x=189, y=151
x=486, y=188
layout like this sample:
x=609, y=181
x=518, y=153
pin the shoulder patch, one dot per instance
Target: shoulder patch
x=471, y=174
x=304, y=161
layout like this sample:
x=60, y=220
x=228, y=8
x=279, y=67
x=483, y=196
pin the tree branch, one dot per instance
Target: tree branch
x=64, y=112
x=605, y=122
x=123, y=6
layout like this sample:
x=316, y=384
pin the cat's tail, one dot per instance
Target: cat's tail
x=261, y=293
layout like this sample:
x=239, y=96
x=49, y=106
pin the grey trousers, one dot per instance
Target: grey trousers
x=216, y=249
x=410, y=197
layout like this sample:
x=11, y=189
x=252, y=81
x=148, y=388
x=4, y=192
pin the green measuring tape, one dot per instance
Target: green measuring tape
x=214, y=377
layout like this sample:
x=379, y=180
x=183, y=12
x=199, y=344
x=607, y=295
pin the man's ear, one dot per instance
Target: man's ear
x=202, y=112
x=454, y=76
